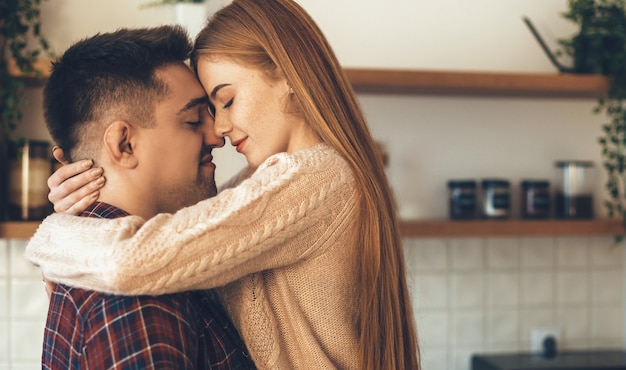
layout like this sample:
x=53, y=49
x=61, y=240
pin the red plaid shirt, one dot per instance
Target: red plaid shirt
x=91, y=330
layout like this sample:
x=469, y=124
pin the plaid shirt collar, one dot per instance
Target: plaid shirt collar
x=103, y=210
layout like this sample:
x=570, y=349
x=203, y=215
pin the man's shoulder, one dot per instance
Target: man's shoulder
x=116, y=329
x=92, y=303
x=79, y=299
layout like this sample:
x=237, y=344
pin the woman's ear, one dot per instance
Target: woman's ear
x=118, y=139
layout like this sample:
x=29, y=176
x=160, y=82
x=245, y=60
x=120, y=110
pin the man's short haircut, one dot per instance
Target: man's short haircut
x=108, y=77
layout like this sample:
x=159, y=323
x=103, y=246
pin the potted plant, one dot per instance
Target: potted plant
x=20, y=22
x=600, y=47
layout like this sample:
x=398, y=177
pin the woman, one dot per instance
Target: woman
x=306, y=247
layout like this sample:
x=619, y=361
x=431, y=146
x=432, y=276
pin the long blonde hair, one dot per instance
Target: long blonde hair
x=271, y=34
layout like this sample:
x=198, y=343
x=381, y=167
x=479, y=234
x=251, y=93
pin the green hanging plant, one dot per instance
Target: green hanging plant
x=19, y=21
x=600, y=47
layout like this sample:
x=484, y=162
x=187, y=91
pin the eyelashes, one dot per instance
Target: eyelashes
x=211, y=108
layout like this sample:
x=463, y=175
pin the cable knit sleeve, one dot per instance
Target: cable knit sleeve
x=278, y=216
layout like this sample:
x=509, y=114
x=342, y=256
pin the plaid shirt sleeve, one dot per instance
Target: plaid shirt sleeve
x=139, y=333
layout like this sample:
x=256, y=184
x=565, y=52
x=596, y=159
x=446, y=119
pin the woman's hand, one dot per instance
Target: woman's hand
x=74, y=186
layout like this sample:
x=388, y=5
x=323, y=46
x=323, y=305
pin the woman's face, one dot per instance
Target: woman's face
x=251, y=109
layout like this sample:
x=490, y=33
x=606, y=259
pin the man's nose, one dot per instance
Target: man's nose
x=210, y=134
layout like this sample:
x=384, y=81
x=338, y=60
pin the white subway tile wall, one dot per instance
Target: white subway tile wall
x=23, y=308
x=470, y=295
x=485, y=295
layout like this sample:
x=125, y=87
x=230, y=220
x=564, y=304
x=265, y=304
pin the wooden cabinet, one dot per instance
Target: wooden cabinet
x=452, y=83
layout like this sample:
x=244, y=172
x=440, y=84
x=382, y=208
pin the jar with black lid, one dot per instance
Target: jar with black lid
x=535, y=199
x=496, y=198
x=462, y=199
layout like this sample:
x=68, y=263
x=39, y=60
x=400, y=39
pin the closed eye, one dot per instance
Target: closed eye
x=230, y=102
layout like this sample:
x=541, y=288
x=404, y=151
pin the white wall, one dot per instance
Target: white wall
x=461, y=305
x=431, y=139
x=486, y=35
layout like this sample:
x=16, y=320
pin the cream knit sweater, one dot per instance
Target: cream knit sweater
x=283, y=245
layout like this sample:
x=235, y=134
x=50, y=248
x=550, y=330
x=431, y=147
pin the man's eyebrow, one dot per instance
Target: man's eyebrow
x=216, y=89
x=193, y=103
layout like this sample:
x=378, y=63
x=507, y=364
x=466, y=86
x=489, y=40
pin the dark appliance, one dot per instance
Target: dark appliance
x=563, y=360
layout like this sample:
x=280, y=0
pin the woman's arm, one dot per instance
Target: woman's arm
x=277, y=217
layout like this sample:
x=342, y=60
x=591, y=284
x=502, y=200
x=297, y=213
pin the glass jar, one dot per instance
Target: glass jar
x=462, y=199
x=496, y=198
x=574, y=192
x=535, y=199
x=29, y=169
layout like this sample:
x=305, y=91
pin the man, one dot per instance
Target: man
x=128, y=100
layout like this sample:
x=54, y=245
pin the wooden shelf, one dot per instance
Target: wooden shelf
x=398, y=81
x=439, y=228
x=477, y=83
x=512, y=228
x=18, y=229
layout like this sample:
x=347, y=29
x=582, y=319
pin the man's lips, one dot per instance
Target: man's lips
x=207, y=160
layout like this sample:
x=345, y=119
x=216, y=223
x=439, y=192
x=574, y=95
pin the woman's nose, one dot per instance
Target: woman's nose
x=210, y=135
x=222, y=127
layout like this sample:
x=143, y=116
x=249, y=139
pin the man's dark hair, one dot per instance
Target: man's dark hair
x=107, y=77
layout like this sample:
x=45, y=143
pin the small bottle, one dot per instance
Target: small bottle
x=535, y=199
x=496, y=199
x=462, y=199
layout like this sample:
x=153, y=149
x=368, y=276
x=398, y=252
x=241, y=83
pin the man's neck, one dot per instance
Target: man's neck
x=120, y=191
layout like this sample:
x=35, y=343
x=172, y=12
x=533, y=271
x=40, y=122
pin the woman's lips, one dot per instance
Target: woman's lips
x=239, y=144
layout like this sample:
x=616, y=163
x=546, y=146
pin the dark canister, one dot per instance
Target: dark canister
x=462, y=199
x=535, y=199
x=496, y=198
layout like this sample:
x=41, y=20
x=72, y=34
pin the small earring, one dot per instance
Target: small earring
x=291, y=90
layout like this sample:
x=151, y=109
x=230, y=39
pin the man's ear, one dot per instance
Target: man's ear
x=59, y=155
x=118, y=143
